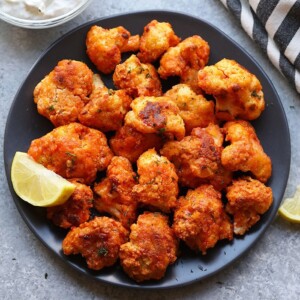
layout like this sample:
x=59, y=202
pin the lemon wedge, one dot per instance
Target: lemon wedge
x=38, y=185
x=290, y=208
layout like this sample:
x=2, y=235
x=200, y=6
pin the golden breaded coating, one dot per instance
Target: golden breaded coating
x=104, y=46
x=156, y=39
x=200, y=219
x=130, y=143
x=189, y=76
x=195, y=110
x=238, y=92
x=136, y=78
x=192, y=53
x=248, y=198
x=98, y=241
x=197, y=158
x=106, y=109
x=156, y=115
x=72, y=151
x=76, y=210
x=245, y=152
x=113, y=194
x=158, y=182
x=151, y=249
x=61, y=95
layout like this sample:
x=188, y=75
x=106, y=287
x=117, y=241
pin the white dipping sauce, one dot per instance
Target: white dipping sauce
x=38, y=9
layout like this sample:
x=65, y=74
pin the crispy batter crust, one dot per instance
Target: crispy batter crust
x=76, y=210
x=151, y=249
x=61, y=95
x=72, y=151
x=248, y=198
x=245, y=152
x=156, y=39
x=200, y=219
x=113, y=194
x=158, y=182
x=104, y=46
x=238, y=92
x=98, y=241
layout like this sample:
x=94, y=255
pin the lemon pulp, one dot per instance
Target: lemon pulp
x=38, y=185
x=290, y=208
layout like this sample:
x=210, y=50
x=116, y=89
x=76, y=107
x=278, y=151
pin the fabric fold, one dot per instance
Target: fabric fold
x=275, y=26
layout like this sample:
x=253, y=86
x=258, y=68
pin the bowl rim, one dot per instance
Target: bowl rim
x=45, y=23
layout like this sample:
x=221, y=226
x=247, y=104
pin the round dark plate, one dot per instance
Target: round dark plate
x=24, y=124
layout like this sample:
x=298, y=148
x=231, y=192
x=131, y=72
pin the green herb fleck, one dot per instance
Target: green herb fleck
x=255, y=95
x=161, y=131
x=102, y=251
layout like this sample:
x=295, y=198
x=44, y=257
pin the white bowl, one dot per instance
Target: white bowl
x=45, y=23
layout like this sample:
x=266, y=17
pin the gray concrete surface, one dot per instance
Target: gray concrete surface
x=270, y=270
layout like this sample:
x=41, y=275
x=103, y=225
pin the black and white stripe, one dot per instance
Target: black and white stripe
x=275, y=26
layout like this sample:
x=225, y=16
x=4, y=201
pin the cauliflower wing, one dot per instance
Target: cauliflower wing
x=76, y=210
x=61, y=95
x=192, y=53
x=98, y=241
x=200, y=219
x=151, y=249
x=156, y=39
x=238, y=92
x=248, y=198
x=197, y=158
x=194, y=109
x=106, y=109
x=245, y=152
x=105, y=46
x=137, y=78
x=158, y=182
x=72, y=151
x=130, y=143
x=156, y=115
x=113, y=194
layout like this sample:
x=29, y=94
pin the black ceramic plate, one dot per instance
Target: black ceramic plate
x=24, y=124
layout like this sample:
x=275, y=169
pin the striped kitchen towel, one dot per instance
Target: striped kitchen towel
x=275, y=26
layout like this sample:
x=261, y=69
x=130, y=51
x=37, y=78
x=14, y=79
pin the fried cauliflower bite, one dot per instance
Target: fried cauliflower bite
x=194, y=109
x=197, y=158
x=158, y=182
x=61, y=95
x=98, y=241
x=156, y=39
x=76, y=210
x=72, y=151
x=130, y=143
x=106, y=109
x=245, y=152
x=238, y=92
x=104, y=46
x=156, y=115
x=189, y=77
x=113, y=194
x=248, y=198
x=192, y=53
x=151, y=249
x=137, y=78
x=200, y=219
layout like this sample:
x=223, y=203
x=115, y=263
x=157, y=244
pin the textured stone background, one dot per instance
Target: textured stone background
x=270, y=270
